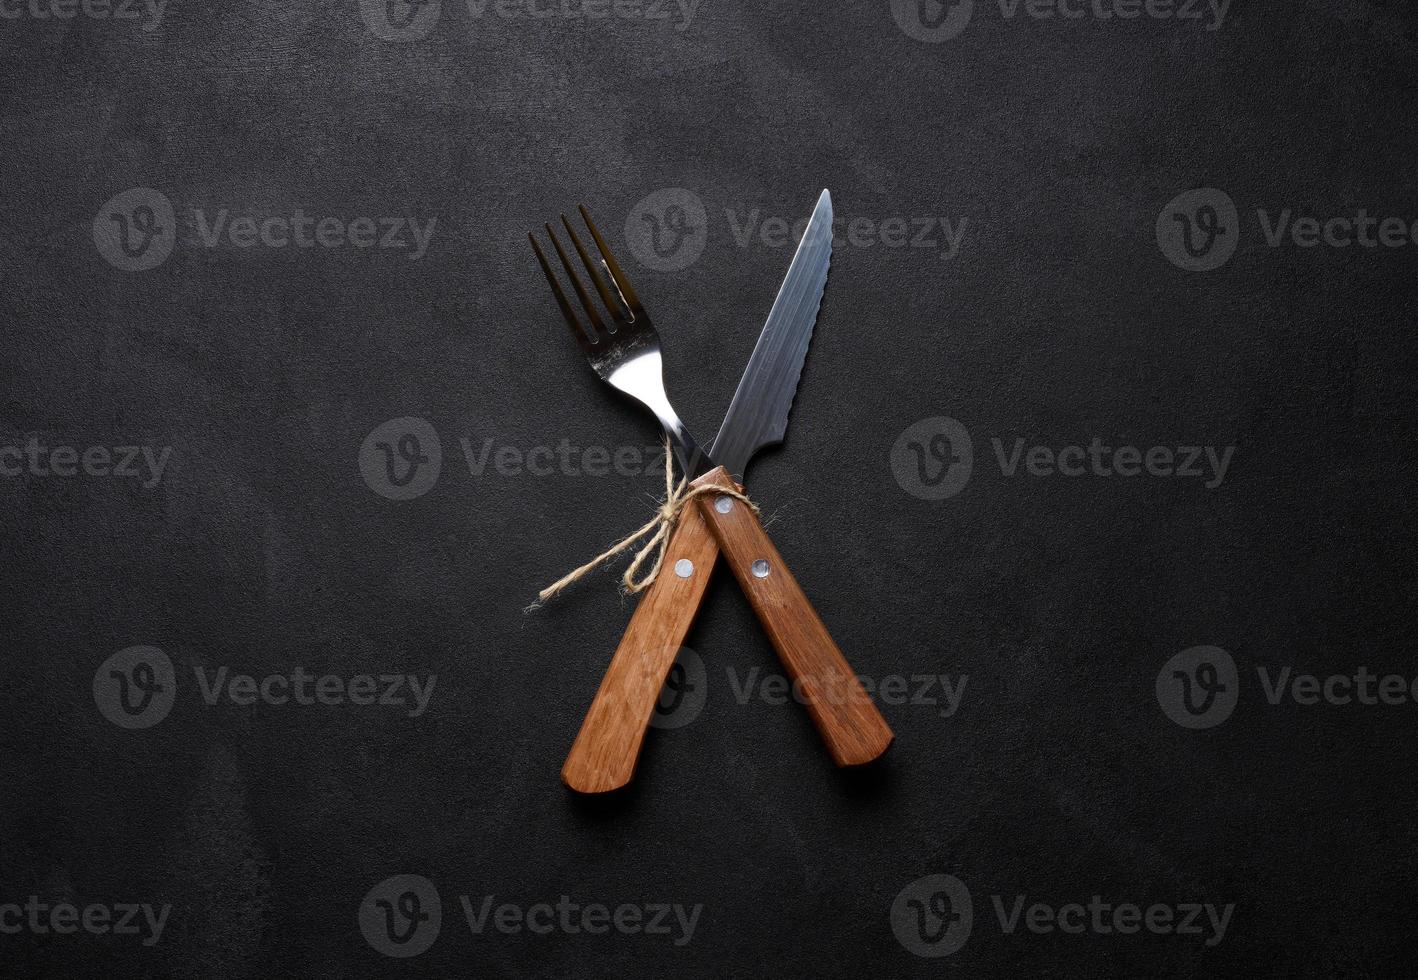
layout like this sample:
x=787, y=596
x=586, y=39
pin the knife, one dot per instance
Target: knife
x=607, y=747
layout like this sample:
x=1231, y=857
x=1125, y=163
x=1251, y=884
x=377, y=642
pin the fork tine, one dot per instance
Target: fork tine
x=576, y=328
x=581, y=293
x=612, y=303
x=621, y=282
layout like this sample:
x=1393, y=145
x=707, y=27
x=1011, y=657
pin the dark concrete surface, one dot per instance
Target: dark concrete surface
x=1101, y=231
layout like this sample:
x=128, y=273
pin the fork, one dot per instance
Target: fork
x=628, y=358
x=625, y=353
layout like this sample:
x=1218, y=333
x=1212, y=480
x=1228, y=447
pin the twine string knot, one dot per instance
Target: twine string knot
x=658, y=528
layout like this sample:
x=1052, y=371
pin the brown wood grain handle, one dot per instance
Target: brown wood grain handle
x=845, y=716
x=606, y=749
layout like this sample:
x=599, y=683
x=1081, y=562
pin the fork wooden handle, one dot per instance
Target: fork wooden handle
x=845, y=716
x=606, y=749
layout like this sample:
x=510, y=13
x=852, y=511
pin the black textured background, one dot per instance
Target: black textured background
x=263, y=548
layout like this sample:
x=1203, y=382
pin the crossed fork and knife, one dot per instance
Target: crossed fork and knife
x=623, y=348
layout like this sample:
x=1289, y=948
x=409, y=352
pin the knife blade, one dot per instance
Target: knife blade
x=607, y=746
x=758, y=415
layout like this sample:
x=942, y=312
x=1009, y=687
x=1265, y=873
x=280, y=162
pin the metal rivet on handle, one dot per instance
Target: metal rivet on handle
x=760, y=568
x=684, y=568
x=724, y=504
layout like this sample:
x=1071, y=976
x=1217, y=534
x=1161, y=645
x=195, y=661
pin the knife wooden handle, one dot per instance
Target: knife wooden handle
x=845, y=716
x=606, y=749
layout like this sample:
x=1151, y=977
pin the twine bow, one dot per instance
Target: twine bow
x=659, y=528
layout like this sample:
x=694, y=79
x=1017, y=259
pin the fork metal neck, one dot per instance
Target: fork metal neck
x=693, y=460
x=641, y=378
